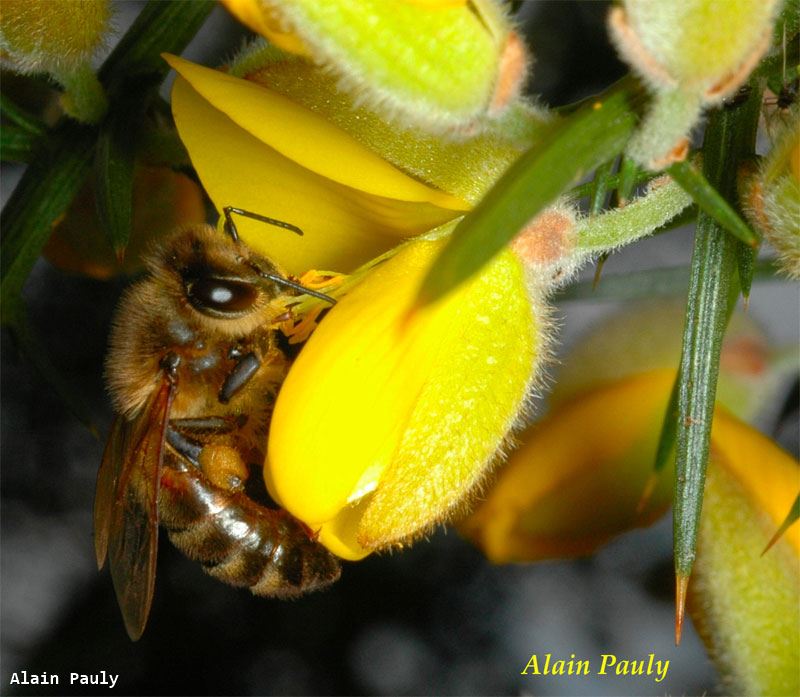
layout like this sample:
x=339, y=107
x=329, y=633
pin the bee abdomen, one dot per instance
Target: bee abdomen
x=241, y=542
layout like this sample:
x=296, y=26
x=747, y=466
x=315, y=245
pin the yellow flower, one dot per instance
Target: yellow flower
x=744, y=601
x=440, y=64
x=385, y=423
x=562, y=494
x=257, y=150
x=388, y=419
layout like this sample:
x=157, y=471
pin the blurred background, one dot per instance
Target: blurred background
x=435, y=619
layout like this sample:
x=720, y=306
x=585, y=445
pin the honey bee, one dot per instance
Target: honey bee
x=193, y=369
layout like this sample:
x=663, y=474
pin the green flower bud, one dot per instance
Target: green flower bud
x=440, y=64
x=58, y=38
x=773, y=196
x=691, y=54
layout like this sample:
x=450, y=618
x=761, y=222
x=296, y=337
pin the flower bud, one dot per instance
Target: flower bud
x=744, y=601
x=691, y=54
x=772, y=197
x=58, y=38
x=442, y=64
x=387, y=420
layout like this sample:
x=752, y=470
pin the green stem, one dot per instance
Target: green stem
x=612, y=229
x=612, y=182
x=569, y=149
x=84, y=98
x=662, y=282
x=729, y=138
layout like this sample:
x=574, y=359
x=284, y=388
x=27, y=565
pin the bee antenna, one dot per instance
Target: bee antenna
x=281, y=280
x=230, y=226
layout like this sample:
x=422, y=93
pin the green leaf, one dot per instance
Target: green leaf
x=709, y=200
x=161, y=27
x=713, y=263
x=745, y=265
x=599, y=190
x=661, y=282
x=629, y=173
x=729, y=138
x=572, y=147
x=114, y=167
x=60, y=167
x=19, y=117
x=791, y=517
x=20, y=133
x=46, y=189
x=613, y=182
x=17, y=144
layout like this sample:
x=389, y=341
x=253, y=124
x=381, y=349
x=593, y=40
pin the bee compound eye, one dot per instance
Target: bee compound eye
x=221, y=296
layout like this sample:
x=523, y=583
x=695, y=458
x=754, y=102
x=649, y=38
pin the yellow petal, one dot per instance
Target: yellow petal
x=257, y=150
x=745, y=603
x=578, y=475
x=262, y=20
x=768, y=475
x=401, y=415
x=466, y=167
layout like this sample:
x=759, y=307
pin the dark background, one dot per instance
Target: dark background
x=436, y=619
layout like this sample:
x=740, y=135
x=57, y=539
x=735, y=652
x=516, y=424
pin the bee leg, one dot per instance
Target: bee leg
x=221, y=463
x=187, y=448
x=246, y=367
x=208, y=425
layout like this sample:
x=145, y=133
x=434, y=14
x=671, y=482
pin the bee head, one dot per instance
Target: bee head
x=221, y=283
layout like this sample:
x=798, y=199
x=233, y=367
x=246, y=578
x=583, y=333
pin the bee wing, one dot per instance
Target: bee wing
x=126, y=505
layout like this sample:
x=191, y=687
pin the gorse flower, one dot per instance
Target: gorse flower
x=388, y=420
x=402, y=417
x=256, y=147
x=562, y=496
x=742, y=599
x=392, y=414
x=444, y=65
x=773, y=195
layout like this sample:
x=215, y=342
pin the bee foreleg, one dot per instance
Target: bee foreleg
x=246, y=367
